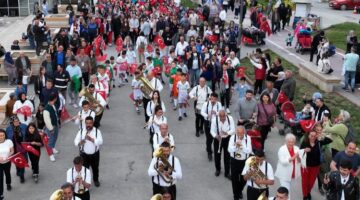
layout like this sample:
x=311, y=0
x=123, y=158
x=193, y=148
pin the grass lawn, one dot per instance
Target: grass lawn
x=334, y=101
x=188, y=4
x=337, y=33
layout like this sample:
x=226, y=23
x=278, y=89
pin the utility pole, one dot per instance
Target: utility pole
x=240, y=26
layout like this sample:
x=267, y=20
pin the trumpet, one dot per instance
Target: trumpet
x=81, y=189
x=239, y=148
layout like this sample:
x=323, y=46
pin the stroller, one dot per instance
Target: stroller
x=304, y=43
x=288, y=114
x=253, y=36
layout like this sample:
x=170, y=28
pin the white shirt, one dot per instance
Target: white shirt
x=343, y=181
x=234, y=62
x=156, y=84
x=222, y=15
x=208, y=107
x=21, y=116
x=269, y=173
x=154, y=122
x=104, y=81
x=97, y=96
x=139, y=40
x=217, y=126
x=158, y=140
x=89, y=147
x=201, y=93
x=72, y=174
x=245, y=143
x=83, y=115
x=5, y=149
x=150, y=108
x=183, y=87
x=176, y=174
x=180, y=48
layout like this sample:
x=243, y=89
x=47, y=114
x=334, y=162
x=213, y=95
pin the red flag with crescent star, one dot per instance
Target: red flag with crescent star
x=19, y=160
x=25, y=110
x=149, y=48
x=133, y=68
x=163, y=9
x=45, y=140
x=307, y=125
x=65, y=116
x=159, y=41
x=27, y=146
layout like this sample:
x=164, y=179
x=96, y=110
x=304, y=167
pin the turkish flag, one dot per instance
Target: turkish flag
x=163, y=9
x=149, y=48
x=307, y=125
x=156, y=70
x=19, y=160
x=123, y=66
x=101, y=58
x=282, y=98
x=27, y=146
x=159, y=41
x=102, y=93
x=119, y=44
x=152, y=2
x=167, y=69
x=213, y=38
x=65, y=116
x=133, y=68
x=45, y=140
x=240, y=72
x=25, y=110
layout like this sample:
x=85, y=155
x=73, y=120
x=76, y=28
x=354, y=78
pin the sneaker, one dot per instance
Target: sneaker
x=8, y=187
x=197, y=134
x=36, y=178
x=217, y=173
x=52, y=158
x=185, y=115
x=228, y=111
x=22, y=179
x=180, y=118
x=97, y=183
x=55, y=151
x=346, y=89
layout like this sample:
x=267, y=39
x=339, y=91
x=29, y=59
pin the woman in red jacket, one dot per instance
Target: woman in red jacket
x=260, y=72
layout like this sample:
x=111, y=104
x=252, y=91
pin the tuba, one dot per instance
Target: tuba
x=262, y=196
x=254, y=168
x=146, y=87
x=57, y=195
x=98, y=109
x=163, y=165
x=157, y=197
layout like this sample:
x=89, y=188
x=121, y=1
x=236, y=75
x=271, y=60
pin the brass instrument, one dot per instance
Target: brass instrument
x=262, y=196
x=256, y=173
x=146, y=87
x=157, y=197
x=238, y=151
x=167, y=139
x=57, y=195
x=81, y=189
x=163, y=165
x=99, y=108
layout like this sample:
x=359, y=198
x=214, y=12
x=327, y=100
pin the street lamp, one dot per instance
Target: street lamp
x=240, y=26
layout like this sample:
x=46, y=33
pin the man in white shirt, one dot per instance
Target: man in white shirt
x=161, y=172
x=80, y=178
x=155, y=83
x=210, y=110
x=282, y=193
x=83, y=114
x=163, y=136
x=68, y=192
x=200, y=94
x=180, y=47
x=255, y=187
x=222, y=126
x=239, y=148
x=75, y=73
x=89, y=141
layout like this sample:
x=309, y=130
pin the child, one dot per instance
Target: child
x=175, y=92
x=121, y=63
x=112, y=66
x=183, y=93
x=289, y=39
x=109, y=71
x=40, y=116
x=242, y=87
x=137, y=91
x=104, y=80
x=131, y=56
x=255, y=136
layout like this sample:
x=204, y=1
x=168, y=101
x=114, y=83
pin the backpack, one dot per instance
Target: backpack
x=351, y=135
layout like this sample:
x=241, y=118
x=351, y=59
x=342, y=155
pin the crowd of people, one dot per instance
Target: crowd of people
x=194, y=52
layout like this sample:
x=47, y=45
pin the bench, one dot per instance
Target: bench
x=325, y=82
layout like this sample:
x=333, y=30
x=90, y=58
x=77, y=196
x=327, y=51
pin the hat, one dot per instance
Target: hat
x=317, y=95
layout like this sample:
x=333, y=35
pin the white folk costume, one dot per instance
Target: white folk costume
x=136, y=84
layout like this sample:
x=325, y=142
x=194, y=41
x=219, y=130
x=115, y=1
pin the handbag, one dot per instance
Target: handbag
x=270, y=120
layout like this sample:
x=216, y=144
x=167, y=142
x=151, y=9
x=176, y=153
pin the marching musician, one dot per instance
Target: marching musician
x=156, y=85
x=209, y=110
x=155, y=101
x=282, y=193
x=83, y=114
x=158, y=171
x=200, y=94
x=222, y=126
x=89, y=139
x=257, y=185
x=163, y=135
x=100, y=102
x=155, y=120
x=80, y=178
x=68, y=193
x=239, y=148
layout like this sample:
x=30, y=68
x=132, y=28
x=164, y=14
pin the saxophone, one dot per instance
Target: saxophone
x=163, y=165
x=254, y=168
x=98, y=109
x=146, y=87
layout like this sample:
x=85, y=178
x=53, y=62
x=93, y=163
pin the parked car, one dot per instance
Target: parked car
x=344, y=4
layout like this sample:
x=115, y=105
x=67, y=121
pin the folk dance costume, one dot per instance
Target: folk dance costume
x=201, y=95
x=23, y=110
x=90, y=150
x=183, y=89
x=137, y=93
x=158, y=139
x=156, y=84
x=71, y=176
x=238, y=156
x=254, y=190
x=101, y=101
x=82, y=116
x=121, y=68
x=104, y=80
x=209, y=111
x=219, y=128
x=158, y=181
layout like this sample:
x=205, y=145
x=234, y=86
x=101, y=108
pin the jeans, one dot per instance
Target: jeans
x=52, y=136
x=31, y=42
x=194, y=76
x=349, y=75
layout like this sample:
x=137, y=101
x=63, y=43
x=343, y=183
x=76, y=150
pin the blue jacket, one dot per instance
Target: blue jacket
x=10, y=131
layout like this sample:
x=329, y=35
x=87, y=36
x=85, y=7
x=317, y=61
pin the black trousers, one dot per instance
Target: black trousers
x=85, y=78
x=254, y=193
x=237, y=180
x=225, y=98
x=92, y=160
x=209, y=138
x=264, y=130
x=199, y=121
x=145, y=103
x=4, y=169
x=34, y=163
x=312, y=52
x=224, y=146
x=231, y=74
x=97, y=120
x=157, y=189
x=38, y=46
x=258, y=86
x=85, y=196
